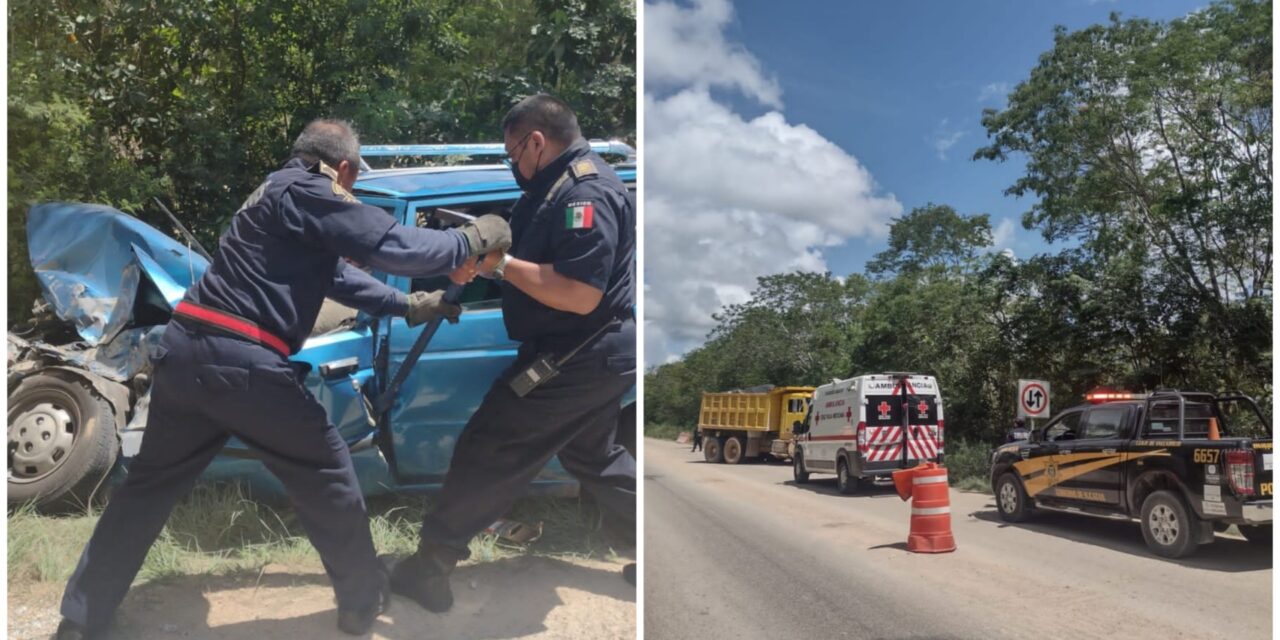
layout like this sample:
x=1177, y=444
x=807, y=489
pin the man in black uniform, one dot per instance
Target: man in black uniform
x=568, y=283
x=222, y=370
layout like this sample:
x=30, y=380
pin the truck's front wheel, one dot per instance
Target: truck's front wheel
x=732, y=450
x=711, y=451
x=1167, y=525
x=62, y=441
x=797, y=467
x=1011, y=499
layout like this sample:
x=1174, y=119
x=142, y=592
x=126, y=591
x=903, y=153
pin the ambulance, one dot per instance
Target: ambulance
x=869, y=426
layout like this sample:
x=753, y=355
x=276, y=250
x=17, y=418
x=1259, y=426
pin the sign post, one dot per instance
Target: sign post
x=1033, y=399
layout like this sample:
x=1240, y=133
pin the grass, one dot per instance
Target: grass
x=968, y=464
x=663, y=431
x=219, y=530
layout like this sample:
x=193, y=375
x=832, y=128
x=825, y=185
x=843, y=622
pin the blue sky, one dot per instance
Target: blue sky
x=895, y=83
x=785, y=136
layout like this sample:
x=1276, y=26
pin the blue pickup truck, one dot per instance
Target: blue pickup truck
x=79, y=371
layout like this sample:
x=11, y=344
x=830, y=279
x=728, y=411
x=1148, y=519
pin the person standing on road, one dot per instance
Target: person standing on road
x=222, y=370
x=568, y=284
x=697, y=440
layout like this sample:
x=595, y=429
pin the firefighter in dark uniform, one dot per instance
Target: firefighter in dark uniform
x=222, y=370
x=568, y=283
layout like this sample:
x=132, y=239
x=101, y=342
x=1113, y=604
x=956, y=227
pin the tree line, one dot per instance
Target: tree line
x=1148, y=154
x=119, y=101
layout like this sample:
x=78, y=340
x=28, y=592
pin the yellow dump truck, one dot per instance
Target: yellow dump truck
x=737, y=425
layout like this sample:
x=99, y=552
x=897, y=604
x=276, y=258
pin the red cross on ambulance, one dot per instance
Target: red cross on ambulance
x=923, y=408
x=884, y=410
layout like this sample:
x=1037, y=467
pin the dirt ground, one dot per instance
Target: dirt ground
x=522, y=597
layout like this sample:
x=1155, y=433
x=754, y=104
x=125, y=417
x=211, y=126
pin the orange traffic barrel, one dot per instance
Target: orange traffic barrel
x=926, y=487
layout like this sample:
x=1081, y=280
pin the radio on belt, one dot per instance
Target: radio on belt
x=546, y=366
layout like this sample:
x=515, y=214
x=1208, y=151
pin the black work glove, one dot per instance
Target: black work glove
x=487, y=233
x=425, y=307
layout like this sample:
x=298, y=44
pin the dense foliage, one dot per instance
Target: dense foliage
x=120, y=101
x=1148, y=151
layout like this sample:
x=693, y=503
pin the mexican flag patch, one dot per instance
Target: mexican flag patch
x=578, y=216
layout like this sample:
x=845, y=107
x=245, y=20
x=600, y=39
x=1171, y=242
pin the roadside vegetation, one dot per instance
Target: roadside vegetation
x=219, y=530
x=1147, y=151
x=115, y=103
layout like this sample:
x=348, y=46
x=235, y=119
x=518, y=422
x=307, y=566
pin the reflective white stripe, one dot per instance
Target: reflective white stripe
x=932, y=511
x=928, y=479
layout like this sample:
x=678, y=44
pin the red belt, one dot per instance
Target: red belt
x=232, y=323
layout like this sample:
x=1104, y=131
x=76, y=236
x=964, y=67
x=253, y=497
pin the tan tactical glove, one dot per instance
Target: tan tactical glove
x=487, y=233
x=425, y=307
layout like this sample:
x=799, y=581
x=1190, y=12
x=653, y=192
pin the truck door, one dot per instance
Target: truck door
x=450, y=379
x=922, y=430
x=1088, y=467
x=794, y=407
x=1038, y=469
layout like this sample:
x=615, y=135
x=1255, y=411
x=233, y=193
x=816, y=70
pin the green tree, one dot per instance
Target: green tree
x=932, y=236
x=1150, y=144
x=120, y=101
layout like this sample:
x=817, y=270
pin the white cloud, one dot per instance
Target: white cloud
x=944, y=138
x=1002, y=235
x=686, y=47
x=996, y=91
x=728, y=199
x=700, y=154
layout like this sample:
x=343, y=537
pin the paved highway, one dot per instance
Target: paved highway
x=740, y=552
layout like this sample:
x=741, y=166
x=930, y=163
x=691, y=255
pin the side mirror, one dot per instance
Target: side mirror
x=797, y=426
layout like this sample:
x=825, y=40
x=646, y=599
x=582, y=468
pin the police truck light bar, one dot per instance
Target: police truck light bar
x=1100, y=395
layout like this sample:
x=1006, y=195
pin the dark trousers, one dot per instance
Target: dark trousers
x=206, y=388
x=509, y=439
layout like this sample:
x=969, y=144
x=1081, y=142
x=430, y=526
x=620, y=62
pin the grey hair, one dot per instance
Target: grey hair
x=330, y=141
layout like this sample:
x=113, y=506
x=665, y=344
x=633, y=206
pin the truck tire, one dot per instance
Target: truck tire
x=797, y=468
x=62, y=442
x=1011, y=499
x=845, y=483
x=1167, y=525
x=711, y=449
x=732, y=450
x=1259, y=534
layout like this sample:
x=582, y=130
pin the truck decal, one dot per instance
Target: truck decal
x=1039, y=474
x=1077, y=494
x=1206, y=456
x=885, y=443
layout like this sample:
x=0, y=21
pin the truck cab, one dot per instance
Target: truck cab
x=110, y=282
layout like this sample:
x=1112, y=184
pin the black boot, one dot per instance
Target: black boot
x=424, y=578
x=68, y=630
x=357, y=622
x=629, y=573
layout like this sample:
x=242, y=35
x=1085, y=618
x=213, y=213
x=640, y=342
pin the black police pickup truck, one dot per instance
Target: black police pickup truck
x=1183, y=463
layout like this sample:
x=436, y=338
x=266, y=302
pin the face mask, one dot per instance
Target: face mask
x=524, y=183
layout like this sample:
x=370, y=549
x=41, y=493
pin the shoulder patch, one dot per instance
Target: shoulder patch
x=583, y=168
x=579, y=215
